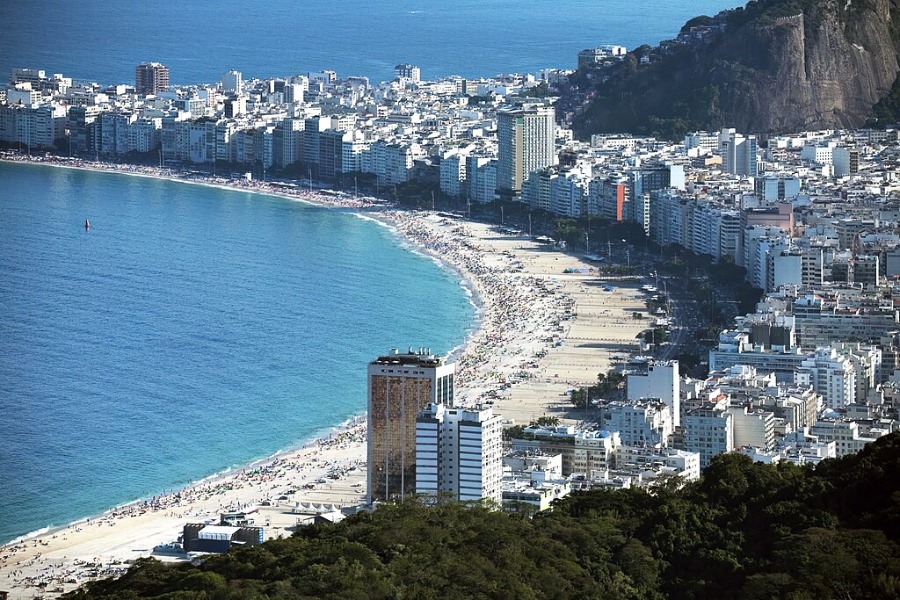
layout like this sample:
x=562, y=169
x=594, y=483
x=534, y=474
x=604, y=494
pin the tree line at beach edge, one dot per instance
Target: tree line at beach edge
x=748, y=531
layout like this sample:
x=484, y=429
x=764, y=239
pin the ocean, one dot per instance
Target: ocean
x=103, y=40
x=190, y=330
x=195, y=329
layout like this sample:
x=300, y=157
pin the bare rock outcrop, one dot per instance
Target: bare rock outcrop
x=824, y=64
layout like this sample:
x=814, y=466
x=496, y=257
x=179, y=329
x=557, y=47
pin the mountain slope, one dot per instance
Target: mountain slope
x=773, y=66
x=746, y=531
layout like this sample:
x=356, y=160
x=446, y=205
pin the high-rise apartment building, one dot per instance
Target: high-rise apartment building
x=739, y=153
x=459, y=453
x=151, y=78
x=232, y=82
x=526, y=137
x=656, y=379
x=408, y=72
x=709, y=431
x=400, y=386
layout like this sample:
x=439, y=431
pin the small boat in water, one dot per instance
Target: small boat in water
x=87, y=225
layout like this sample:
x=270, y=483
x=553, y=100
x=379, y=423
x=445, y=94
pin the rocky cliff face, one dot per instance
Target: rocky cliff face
x=777, y=66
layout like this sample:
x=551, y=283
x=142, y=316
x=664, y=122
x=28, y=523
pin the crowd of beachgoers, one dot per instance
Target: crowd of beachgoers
x=39, y=563
x=522, y=315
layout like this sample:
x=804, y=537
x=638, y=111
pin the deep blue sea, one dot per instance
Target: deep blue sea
x=103, y=40
x=195, y=329
x=190, y=330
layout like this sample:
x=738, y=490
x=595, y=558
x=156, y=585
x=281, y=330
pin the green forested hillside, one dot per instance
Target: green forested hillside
x=745, y=531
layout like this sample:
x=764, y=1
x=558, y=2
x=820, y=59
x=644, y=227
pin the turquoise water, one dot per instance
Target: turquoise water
x=195, y=329
x=192, y=329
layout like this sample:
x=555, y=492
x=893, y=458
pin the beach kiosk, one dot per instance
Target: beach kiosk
x=200, y=537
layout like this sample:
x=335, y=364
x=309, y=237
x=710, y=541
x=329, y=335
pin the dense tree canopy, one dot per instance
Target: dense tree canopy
x=746, y=531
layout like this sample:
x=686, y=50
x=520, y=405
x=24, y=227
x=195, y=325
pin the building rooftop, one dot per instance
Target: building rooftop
x=413, y=357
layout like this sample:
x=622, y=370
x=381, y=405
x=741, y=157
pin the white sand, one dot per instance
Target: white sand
x=543, y=332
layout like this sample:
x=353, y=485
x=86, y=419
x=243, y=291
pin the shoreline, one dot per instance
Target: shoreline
x=523, y=352
x=213, y=478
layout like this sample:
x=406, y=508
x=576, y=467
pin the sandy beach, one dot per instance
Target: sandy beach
x=548, y=324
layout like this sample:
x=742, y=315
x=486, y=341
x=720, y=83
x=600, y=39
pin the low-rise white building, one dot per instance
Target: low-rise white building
x=845, y=435
x=642, y=422
x=680, y=462
x=531, y=482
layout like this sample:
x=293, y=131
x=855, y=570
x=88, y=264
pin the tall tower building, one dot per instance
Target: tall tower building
x=400, y=386
x=526, y=138
x=151, y=78
x=459, y=453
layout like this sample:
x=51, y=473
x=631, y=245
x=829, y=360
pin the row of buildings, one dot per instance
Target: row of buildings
x=811, y=218
x=317, y=124
x=421, y=443
x=668, y=426
x=806, y=209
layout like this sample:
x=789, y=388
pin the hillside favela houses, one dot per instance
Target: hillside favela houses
x=811, y=219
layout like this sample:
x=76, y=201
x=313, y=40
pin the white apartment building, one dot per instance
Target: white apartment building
x=683, y=463
x=754, y=429
x=845, y=435
x=709, y=431
x=801, y=448
x=704, y=140
x=735, y=348
x=595, y=451
x=232, y=82
x=739, y=153
x=667, y=213
x=642, y=422
x=453, y=172
x=568, y=192
x=481, y=178
x=821, y=153
x=523, y=463
x=35, y=126
x=459, y=453
x=656, y=379
x=537, y=190
x=352, y=148
x=749, y=251
x=831, y=375
x=534, y=494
